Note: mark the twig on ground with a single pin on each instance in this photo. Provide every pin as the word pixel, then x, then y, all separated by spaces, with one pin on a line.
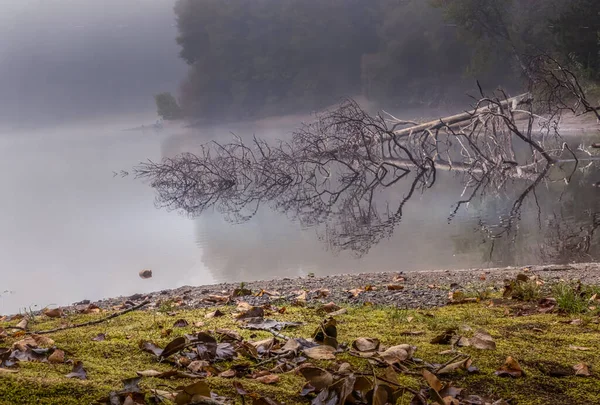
pixel 94 322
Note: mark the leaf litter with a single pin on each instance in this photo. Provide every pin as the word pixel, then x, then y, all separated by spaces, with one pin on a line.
pixel 226 354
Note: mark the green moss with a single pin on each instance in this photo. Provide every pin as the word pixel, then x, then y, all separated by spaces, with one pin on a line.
pixel 533 340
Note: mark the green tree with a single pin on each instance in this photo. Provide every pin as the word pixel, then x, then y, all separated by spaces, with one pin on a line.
pixel 167 106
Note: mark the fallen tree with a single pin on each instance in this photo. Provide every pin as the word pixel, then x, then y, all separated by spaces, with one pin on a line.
pixel 331 170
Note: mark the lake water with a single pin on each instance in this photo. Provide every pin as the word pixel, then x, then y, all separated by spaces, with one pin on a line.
pixel 70 230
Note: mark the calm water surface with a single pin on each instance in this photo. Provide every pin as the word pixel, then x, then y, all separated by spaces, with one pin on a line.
pixel 70 230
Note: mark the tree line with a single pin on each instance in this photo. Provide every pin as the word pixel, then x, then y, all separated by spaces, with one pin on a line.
pixel 250 59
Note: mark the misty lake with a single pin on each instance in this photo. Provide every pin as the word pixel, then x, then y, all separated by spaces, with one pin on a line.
pixel 72 230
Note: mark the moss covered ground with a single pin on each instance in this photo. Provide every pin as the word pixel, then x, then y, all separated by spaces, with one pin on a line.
pixel 538 341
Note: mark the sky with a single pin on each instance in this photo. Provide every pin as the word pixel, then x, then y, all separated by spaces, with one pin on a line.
pixel 71 60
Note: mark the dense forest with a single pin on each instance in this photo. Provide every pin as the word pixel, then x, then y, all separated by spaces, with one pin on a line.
pixel 268 57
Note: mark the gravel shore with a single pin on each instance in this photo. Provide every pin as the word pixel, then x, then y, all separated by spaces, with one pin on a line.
pixel 406 290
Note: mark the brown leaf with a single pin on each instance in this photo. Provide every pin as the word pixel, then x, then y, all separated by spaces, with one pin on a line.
pixel 180 323
pixel 580 348
pixel 483 341
pixel 78 371
pixel 149 373
pixel 227 374
pixel 173 347
pixel 145 274
pixel 58 356
pixel 355 291
pixel 452 367
pixel 99 338
pixel 150 348
pixel 547 305
pixel 186 395
pixel 199 324
pixel 398 279
pixel 444 338
pixel 322 292
pixel 253 312
pixel 511 368
pixel 365 344
pixel 432 380
pixel 317 377
pixel 218 298
pixel 91 309
pixel 582 369
pixel 397 354
pixel 214 314
pixel 53 313
pixel 268 379
pixel 338 312
pixel 395 287
pixel 166 332
pixel 197 366
pixel 329 308
pixel 322 352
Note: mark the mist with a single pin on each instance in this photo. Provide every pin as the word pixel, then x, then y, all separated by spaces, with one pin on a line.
pixel 66 60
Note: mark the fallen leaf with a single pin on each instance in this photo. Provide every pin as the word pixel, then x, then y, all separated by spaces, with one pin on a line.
pixel 317 377
pixel 409 319
pixel 329 308
pixel 188 393
pixel 227 374
pixel 78 371
pixel 322 292
pixel 452 367
pixel 53 313
pixel 270 324
pixel 268 379
pixel 253 312
pixel 149 373
pixel 582 369
pixel 584 349
pixel 365 344
pixel 445 337
pixel 483 341
pixel 510 368
pixel 547 305
pixel 321 352
pixel 99 338
pixel 145 274
pixel 432 380
pixel 58 356
pixel 199 324
pixel 214 314
pixel 91 309
pixel 150 348
pixel 173 347
pixel 482 277
pixel 397 354
pixel 180 323
pixel 355 292
pixel 166 332
pixel 197 366
pixel 412 333
pixel 339 312
pixel 395 287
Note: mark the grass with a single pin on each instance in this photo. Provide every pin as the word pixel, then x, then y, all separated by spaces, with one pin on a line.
pixel 535 341
pixel 575 298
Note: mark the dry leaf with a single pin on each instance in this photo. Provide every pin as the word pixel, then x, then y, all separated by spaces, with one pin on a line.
pixel 268 379
pixel 329 308
pixel 214 314
pixel 323 352
pixel 452 367
pixel 409 319
pixel 365 344
pixel 227 374
pixel 198 365
pixel 432 380
pixel 149 373
pixel 355 291
pixel 510 368
pixel 483 341
pixel 584 349
pixel 317 377
pixel 582 369
pixel 53 313
pixel 58 356
pixel 395 287
pixel 397 354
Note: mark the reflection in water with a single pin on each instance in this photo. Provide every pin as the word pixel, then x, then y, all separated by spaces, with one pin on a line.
pixel 360 190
